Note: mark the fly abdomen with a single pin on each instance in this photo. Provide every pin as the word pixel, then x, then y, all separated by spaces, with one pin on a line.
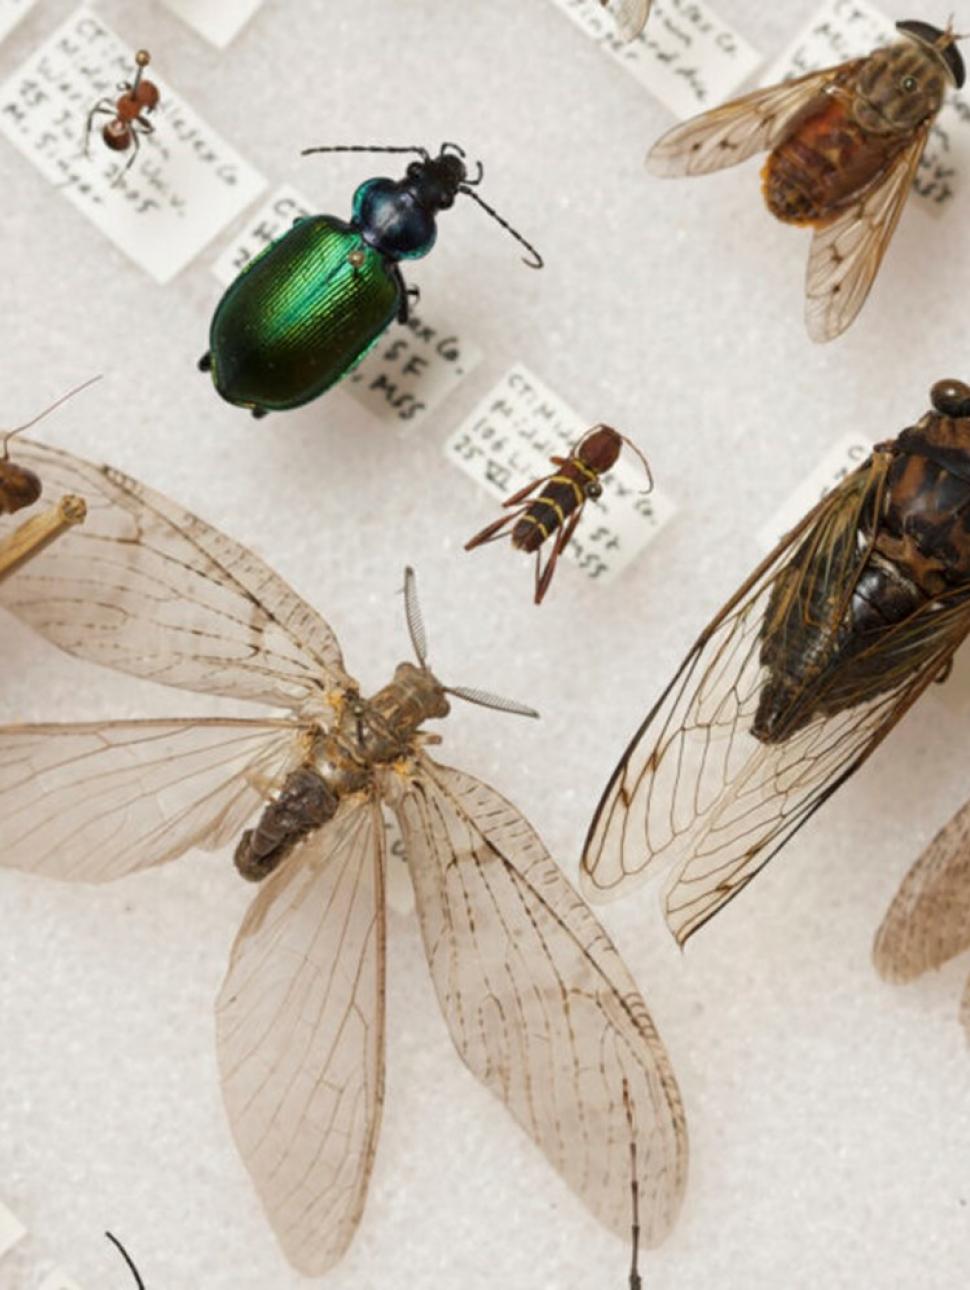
pixel 549 512
pixel 305 803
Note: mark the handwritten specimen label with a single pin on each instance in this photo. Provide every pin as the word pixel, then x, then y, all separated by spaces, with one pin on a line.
pixel 11 1230
pixel 844 29
pixel 507 441
pixel 841 459
pixel 184 185
pixel 411 369
pixel 687 56
pixel 11 12
pixel 219 21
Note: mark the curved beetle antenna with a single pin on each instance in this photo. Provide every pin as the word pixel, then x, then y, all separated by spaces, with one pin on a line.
pixel 40 415
pixel 364 147
pixel 124 1254
pixel 412 611
pixel 537 261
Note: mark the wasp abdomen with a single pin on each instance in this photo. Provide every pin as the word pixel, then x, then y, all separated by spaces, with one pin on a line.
pixel 559 499
pixel 305 803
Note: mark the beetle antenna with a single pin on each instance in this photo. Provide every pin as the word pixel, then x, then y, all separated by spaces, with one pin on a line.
pixel 363 147
pixel 415 619
pixel 127 1258
pixel 537 261
pixel 40 415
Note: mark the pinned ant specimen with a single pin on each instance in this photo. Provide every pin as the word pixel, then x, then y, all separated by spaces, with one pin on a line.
pixel 127 114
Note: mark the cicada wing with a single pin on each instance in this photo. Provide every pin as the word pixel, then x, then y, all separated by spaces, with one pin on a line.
pixel 300 1028
pixel 846 254
pixel 696 790
pixel 630 16
pixel 539 1004
pixel 738 129
pixel 95 801
pixel 928 922
pixel 147 588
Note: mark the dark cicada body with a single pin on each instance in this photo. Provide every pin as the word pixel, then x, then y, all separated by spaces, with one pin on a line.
pixel 801 675
pixel 311 306
pixel 560 504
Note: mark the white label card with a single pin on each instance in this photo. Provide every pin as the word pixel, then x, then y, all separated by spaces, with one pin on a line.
pixel 506 442
pixel 841 459
pixel 58 1280
pixel 185 183
pixel 411 369
pixel 11 12
pixel 844 29
pixel 687 56
pixel 11 1230
pixel 219 21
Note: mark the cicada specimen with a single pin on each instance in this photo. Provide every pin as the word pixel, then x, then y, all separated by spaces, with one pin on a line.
pixel 844 145
pixel 799 677
pixel 539 1004
pixel 561 501
pixel 630 16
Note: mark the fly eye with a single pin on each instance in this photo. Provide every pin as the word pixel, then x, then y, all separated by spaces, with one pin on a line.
pixel 594 488
pixel 951 398
pixel 910 84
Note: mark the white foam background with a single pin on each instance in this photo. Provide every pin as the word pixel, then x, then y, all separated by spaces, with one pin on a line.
pixel 829 1113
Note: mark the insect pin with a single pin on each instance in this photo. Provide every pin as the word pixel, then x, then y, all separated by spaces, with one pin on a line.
pixel 310 306
pixel 560 505
pixel 128 114
pixel 19 485
pixel 844 145
pixel 801 675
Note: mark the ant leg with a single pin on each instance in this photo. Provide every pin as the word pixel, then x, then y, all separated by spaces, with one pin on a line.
pixel 102 105
pixel 130 162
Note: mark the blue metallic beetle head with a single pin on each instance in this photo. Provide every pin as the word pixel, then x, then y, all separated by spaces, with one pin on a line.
pixel 397 217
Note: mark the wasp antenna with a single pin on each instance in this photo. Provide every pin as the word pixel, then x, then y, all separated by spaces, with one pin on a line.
pixel 40 415
pixel 364 147
pixel 124 1254
pixel 486 700
pixel 537 261
pixel 415 619
pixel 643 457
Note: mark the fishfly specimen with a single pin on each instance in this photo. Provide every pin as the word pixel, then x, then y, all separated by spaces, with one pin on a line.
pixel 844 146
pixel 630 16
pixel 561 502
pixel 799 677
pixel 538 1002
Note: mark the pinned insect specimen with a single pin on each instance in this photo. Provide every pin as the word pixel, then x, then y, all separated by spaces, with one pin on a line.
pixel 845 144
pixel 560 505
pixel 799 677
pixel 534 993
pixel 310 306
pixel 630 16
pixel 128 113
pixel 19 486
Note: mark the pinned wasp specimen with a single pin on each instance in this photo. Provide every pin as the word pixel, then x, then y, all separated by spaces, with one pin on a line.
pixel 128 113
pixel 560 505
pixel 534 993
pixel 630 16
pixel 844 146
pixel 799 677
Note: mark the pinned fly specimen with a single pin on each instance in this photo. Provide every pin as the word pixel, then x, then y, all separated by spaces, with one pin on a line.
pixel 538 1002
pixel 630 16
pixel 845 143
pixel 798 678
pixel 560 504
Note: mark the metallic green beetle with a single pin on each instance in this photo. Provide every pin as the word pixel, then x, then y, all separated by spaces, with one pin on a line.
pixel 308 308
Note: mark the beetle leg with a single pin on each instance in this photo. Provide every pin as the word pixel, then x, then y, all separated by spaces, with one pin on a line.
pixel 562 541
pixel 944 672
pixel 205 362
pixel 258 412
pixel 404 310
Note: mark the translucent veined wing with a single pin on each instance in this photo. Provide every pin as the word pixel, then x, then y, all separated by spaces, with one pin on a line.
pixel 300 1023
pixel 928 922
pixel 695 789
pixel 738 129
pixel 539 1004
pixel 845 255
pixel 630 16
pixel 96 801
pixel 145 587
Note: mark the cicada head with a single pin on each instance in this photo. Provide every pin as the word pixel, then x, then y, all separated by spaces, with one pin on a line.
pixel 902 86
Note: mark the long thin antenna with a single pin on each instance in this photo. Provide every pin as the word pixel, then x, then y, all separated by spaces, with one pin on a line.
pixel 537 262
pixel 40 415
pixel 636 1282
pixel 124 1254
pixel 412 611
pixel 364 147
pixel 642 455
pixel 486 700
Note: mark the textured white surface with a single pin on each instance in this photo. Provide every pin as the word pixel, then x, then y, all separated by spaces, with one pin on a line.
pixel 829 1114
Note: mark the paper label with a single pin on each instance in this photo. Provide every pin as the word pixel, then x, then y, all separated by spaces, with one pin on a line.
pixel 411 369
pixel 844 29
pixel 686 56
pixel 11 1230
pixel 185 183
pixel 219 21
pixel 58 1280
pixel 506 443
pixel 841 459
pixel 11 12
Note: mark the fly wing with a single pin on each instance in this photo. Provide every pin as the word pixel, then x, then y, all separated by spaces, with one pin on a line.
pixel 928 922
pixel 145 587
pixel 630 16
pixel 695 789
pixel 737 130
pixel 846 254
pixel 539 1004
pixel 300 1026
pixel 96 801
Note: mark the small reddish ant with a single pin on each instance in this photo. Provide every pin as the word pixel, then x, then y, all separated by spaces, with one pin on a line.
pixel 127 121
